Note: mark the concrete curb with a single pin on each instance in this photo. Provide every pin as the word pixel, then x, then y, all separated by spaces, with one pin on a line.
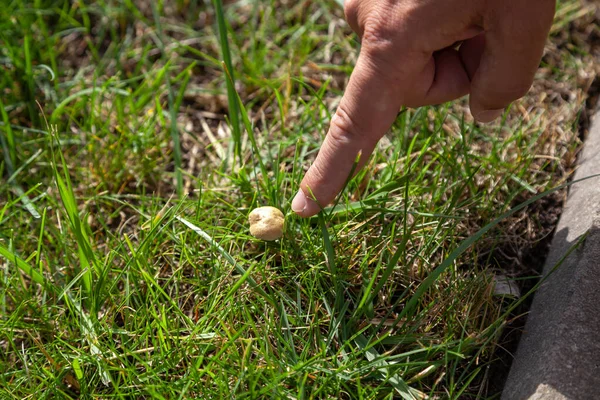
pixel 559 352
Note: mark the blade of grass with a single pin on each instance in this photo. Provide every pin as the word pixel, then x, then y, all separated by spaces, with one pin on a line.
pixel 171 99
pixel 86 256
pixel 27 269
pixel 8 141
pixel 82 93
pixel 9 150
pixel 24 198
pixel 88 262
pixel 250 133
pixel 234 111
pixel 90 335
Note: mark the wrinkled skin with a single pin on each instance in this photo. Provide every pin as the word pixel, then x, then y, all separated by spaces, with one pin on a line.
pixel 409 58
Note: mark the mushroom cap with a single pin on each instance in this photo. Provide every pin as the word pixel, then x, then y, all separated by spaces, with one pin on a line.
pixel 266 223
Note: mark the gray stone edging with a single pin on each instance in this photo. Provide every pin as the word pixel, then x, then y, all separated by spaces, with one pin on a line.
pixel 559 352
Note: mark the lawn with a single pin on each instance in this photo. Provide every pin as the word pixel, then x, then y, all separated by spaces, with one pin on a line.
pixel 137 136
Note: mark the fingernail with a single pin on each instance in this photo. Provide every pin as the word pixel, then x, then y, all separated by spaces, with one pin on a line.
pixel 488 115
pixel 299 202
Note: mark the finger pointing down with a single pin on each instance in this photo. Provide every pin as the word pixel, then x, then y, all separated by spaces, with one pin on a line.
pixel 367 110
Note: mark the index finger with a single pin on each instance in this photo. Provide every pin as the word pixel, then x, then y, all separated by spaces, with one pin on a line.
pixel 367 109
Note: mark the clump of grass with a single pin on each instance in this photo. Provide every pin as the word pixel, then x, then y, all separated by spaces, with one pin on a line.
pixel 138 277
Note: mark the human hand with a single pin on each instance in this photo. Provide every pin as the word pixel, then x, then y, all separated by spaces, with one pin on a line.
pixel 409 58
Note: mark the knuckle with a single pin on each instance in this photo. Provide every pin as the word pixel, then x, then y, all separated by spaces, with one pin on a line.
pixel 343 130
pixel 378 40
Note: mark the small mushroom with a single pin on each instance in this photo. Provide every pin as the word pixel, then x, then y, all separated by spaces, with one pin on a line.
pixel 266 223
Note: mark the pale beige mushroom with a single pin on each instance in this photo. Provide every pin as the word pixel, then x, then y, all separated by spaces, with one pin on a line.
pixel 266 223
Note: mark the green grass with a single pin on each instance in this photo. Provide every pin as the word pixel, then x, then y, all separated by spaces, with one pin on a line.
pixel 126 265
